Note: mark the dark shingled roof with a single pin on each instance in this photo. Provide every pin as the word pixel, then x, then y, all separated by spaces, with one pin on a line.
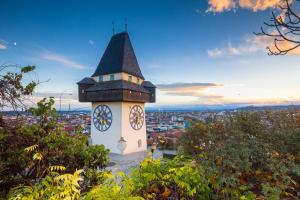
pixel 116 85
pixel 119 57
pixel 148 84
pixel 87 81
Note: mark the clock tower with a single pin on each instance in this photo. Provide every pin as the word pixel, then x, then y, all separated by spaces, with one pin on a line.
pixel 118 92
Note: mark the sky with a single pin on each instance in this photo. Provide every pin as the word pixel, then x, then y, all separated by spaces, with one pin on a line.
pixel 197 52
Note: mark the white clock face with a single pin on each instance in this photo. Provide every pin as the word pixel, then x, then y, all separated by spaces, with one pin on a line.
pixel 136 117
pixel 102 117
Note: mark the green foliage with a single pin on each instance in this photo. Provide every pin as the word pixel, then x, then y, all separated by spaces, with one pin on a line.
pixel 248 152
pixel 154 179
pixel 52 187
pixel 118 187
pixel 45 113
pixel 179 178
pixel 30 151
pixel 96 156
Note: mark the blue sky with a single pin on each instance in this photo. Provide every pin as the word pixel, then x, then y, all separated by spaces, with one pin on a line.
pixel 175 42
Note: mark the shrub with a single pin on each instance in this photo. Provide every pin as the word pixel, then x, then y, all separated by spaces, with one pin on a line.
pixel 173 179
pixel 248 152
pixel 52 147
pixel 53 186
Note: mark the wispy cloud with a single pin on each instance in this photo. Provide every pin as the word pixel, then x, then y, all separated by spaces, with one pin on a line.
pixel 186 86
pixel 3 44
pixel 229 50
pixel 198 90
pixel 254 5
pixel 2 47
pixel 266 41
pixel 251 44
pixel 91 42
pixel 67 62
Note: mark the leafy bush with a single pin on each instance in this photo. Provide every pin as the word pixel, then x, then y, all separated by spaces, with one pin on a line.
pixel 117 187
pixel 154 179
pixel 53 186
pixel 28 150
pixel 248 152
pixel 96 157
pixel 175 179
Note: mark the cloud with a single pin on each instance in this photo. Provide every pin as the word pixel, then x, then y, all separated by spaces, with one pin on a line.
pixel 186 86
pixel 91 42
pixel 196 90
pixel 266 41
pixel 62 60
pixel 197 94
pixel 251 44
pixel 215 52
pixel 3 47
pixel 3 44
pixel 260 43
pixel 220 5
pixel 254 5
pixel 257 5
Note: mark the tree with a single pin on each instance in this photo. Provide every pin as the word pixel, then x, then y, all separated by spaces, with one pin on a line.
pixel 12 88
pixel 283 28
pixel 28 152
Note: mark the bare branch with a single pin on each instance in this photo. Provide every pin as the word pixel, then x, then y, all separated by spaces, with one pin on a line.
pixel 285 29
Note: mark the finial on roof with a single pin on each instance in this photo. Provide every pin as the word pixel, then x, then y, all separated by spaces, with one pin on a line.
pixel 126 25
pixel 113 28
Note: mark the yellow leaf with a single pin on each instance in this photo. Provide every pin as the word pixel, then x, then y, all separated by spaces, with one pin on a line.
pixel 31 148
pixel 37 156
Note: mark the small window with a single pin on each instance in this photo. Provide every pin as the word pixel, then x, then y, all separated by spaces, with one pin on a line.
pixel 138 81
pixel 100 78
pixel 129 78
pixel 82 91
pixel 112 77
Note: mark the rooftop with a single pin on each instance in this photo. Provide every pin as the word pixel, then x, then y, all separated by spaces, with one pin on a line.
pixel 119 57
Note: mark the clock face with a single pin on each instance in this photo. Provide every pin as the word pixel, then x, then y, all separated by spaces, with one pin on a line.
pixel 136 117
pixel 102 117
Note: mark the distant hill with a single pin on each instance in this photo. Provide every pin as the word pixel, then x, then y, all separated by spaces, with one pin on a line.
pixel 191 108
pixel 218 108
pixel 262 108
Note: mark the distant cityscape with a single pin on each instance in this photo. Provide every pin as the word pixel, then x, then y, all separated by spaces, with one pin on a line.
pixel 167 123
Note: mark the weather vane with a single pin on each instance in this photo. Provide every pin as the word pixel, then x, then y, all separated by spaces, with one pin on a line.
pixel 113 28
pixel 126 25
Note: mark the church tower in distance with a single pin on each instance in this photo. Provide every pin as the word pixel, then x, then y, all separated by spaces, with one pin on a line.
pixel 118 92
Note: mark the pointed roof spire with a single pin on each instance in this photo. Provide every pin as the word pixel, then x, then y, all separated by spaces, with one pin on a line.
pixel 113 28
pixel 119 57
pixel 126 25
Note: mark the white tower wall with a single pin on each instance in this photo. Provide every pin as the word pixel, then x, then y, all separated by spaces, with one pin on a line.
pixel 120 127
